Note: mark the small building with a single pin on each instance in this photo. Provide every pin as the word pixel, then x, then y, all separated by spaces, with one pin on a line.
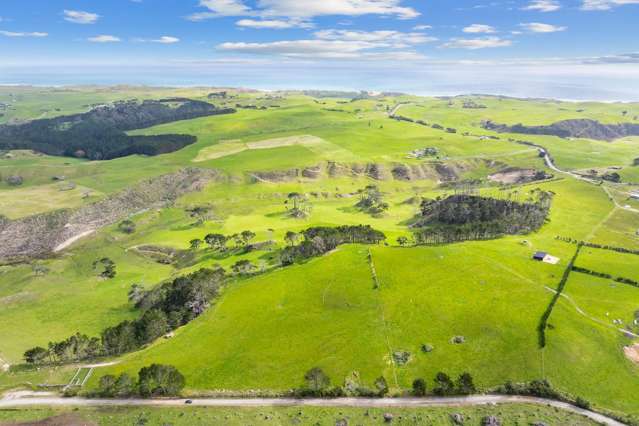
pixel 542 256
pixel 634 195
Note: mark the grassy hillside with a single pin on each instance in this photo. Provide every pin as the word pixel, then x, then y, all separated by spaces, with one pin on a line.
pixel 266 330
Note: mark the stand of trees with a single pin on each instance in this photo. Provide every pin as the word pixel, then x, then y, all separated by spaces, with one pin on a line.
pixel 165 308
pixel 154 380
pixel 463 217
pixel 319 240
pixel 371 201
pixel 100 133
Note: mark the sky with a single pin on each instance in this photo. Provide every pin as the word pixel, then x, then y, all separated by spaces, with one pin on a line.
pixel 568 49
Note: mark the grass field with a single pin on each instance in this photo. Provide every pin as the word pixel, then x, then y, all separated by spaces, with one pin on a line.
pixel 516 414
pixel 267 330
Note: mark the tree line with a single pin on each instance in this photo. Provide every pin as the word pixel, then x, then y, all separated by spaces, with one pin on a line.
pixel 320 239
pixel 318 384
pixel 621 280
pixel 154 380
pixel 598 246
pixel 164 308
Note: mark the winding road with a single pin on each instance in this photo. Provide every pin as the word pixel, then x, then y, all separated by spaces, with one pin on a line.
pixel 29 401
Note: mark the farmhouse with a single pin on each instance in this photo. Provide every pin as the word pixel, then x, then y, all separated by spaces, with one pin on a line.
pixel 634 195
pixel 545 257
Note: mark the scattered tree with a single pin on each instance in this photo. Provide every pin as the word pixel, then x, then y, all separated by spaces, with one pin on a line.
pixel 419 387
pixel 292 237
pixel 381 385
pixel 106 267
pixel 216 241
pixel 195 243
pixel 243 267
pixel 443 385
pixel 316 380
pixel 465 384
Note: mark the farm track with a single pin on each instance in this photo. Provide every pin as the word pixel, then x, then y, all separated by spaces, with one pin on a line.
pixel 476 400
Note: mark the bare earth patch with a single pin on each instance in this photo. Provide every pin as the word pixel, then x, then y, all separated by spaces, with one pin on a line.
pixel 513 176
pixel 632 353
pixel 230 147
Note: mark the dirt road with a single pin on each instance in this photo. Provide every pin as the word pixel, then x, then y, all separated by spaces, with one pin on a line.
pixel 12 402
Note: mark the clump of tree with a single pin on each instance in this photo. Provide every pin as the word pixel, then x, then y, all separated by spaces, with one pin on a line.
pixel 371 201
pixel 301 206
pixel 612 177
pixel 154 380
pixel 319 240
pixel 243 267
pixel 105 267
pixel 127 226
pixel 465 217
pixel 164 308
pixel 635 162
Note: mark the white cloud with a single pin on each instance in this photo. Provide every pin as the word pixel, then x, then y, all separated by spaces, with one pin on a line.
pixel 22 34
pixel 274 24
pixel 479 28
pixel 538 27
pixel 543 5
pixel 422 27
pixel 304 10
pixel 104 39
pixel 605 4
pixel 384 38
pixel 302 48
pixel 477 43
pixel 166 40
pixel 80 17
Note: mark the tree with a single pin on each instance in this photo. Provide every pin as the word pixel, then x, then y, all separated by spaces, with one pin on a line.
pixel 106 386
pixel 402 241
pixel 120 338
pixel 316 380
pixel 136 293
pixel 216 241
pixel 301 206
pixel 39 269
pixel 291 237
pixel 419 387
pixel 127 226
pixel 124 386
pixel 381 385
pixel 443 385
pixel 465 385
pixel 160 380
pixel 152 325
pixel 195 243
pixel 243 266
pixel 246 237
pixel 37 355
pixel 106 267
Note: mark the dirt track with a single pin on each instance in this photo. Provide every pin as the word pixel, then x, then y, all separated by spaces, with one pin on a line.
pixel 9 402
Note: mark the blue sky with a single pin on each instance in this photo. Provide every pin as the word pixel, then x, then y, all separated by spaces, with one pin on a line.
pixel 502 45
